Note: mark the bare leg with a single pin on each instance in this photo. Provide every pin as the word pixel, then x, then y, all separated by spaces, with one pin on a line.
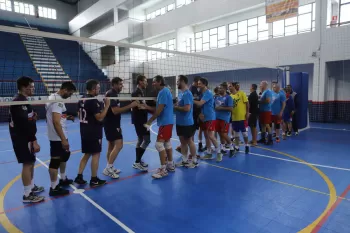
pixel 94 164
pixel 83 163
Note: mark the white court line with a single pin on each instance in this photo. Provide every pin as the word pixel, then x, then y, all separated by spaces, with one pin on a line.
pixel 331 129
pixel 277 158
pixel 105 212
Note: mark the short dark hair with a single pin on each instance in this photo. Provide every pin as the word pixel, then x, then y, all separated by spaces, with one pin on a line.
pixel 196 78
pixel 234 83
pixel 204 81
pixel 69 86
pixel 140 78
pixel 216 90
pixel 116 80
pixel 91 84
pixel 23 81
pixel 160 79
pixel 224 85
pixel 183 78
pixel 255 87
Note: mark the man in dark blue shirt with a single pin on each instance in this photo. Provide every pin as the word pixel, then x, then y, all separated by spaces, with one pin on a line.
pixel 91 115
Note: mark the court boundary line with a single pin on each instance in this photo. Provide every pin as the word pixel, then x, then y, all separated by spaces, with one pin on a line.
pixel 344 130
pixel 331 188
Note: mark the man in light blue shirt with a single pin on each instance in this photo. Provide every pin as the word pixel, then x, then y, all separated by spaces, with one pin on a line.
pixel 277 108
pixel 265 113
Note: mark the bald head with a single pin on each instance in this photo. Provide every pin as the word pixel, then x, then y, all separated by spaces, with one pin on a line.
pixel 264 85
pixel 276 87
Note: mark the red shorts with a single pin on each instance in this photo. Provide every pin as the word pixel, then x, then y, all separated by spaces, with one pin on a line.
pixel 208 125
pixel 265 118
pixel 245 123
pixel 165 132
pixel 276 119
pixel 222 126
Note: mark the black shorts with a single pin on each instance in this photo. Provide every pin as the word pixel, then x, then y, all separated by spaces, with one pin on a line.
pixel 91 146
pixel 141 130
pixel 187 131
pixel 56 149
pixel 24 150
pixel 252 121
pixel 113 133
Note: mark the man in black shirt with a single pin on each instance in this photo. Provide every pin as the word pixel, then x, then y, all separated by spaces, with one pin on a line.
pixel 91 115
pixel 22 127
pixel 139 117
pixel 253 112
pixel 112 127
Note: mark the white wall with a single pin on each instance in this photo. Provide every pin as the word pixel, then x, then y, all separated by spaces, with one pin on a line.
pixel 82 5
pixel 65 13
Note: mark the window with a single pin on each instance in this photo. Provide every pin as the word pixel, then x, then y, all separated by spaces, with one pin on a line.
pixel 171 7
pixel 233 34
pixel 183 2
pixel 155 55
pixel 211 39
pixel 24 8
pixel 5 5
pixel 160 11
pixel 263 28
pixel 344 12
pixel 304 22
pixel 47 12
pixel 188 45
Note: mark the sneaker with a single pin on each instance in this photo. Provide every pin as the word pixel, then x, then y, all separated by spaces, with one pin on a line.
pixel 284 137
pixel 65 182
pixel 289 134
pixel 246 149
pixel 207 156
pixel 182 164
pixel 144 164
pixel 232 153
pixel 109 171
pixel 160 173
pixel 200 147
pixel 219 157
pixel 178 149
pixel 270 142
pixel 97 182
pixel 139 167
pixel 117 171
pixel 227 146
pixel 262 140
pixel 37 189
pixel 170 167
pixel 198 157
pixel 58 191
pixel 278 139
pixel 223 151
pixel 274 135
pixel 79 180
pixel 296 133
pixel 32 198
pixel 195 164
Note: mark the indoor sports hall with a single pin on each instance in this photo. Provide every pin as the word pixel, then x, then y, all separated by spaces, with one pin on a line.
pixel 299 183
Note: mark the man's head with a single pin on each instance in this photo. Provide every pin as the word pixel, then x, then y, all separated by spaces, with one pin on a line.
pixel 276 87
pixel 222 89
pixel 158 82
pixel 253 88
pixel 25 86
pixel 182 82
pixel 67 90
pixel 224 85
pixel 203 84
pixel 236 85
pixel 264 85
pixel 93 87
pixel 117 84
pixel 195 81
pixel 141 81
pixel 289 89
pixel 232 88
pixel 216 90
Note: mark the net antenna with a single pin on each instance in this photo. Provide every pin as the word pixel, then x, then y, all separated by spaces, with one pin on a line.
pixel 56 58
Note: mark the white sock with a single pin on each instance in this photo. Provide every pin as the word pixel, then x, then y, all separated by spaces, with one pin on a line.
pixel 221 146
pixel 63 176
pixel 231 146
pixel 170 163
pixel 27 190
pixel 53 184
pixel 163 167
pixel 217 150
pixel 109 165
pixel 184 158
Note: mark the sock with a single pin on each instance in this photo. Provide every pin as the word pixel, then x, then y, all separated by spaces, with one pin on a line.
pixel 109 165
pixel 32 183
pixel 27 190
pixel 163 167
pixel 221 146
pixel 53 185
pixel 231 146
pixel 217 150
pixel 184 158
pixel 170 163
pixel 236 147
pixel 63 176
pixel 199 141
pixel 247 144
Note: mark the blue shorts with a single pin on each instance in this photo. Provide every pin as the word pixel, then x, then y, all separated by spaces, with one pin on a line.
pixel 239 126
pixel 287 117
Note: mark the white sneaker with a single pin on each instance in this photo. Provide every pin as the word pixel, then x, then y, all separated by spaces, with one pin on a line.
pixel 110 171
pixel 139 167
pixel 170 167
pixel 143 164
pixel 160 173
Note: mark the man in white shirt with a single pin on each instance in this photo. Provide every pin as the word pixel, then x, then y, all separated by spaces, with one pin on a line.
pixel 56 116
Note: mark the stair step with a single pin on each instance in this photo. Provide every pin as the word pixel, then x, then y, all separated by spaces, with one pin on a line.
pixel 56 80
pixel 52 73
pixel 38 50
pixel 51 77
pixel 44 59
pixel 34 56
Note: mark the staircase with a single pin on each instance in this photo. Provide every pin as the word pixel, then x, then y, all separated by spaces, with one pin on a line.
pixel 44 61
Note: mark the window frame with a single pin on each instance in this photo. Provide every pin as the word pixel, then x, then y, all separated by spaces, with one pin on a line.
pixel 26 6
pixel 340 6
pixel 212 33
pixel 49 11
pixel 7 5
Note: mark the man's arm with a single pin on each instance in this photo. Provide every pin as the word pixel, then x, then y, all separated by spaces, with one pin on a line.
pixel 19 114
pixel 101 115
pixel 158 111
pixel 199 103
pixel 185 108
pixel 118 110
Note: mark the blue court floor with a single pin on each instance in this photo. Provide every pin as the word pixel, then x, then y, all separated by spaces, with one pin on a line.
pixel 299 184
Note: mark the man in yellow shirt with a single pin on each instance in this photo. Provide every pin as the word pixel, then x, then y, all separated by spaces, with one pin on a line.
pixel 240 114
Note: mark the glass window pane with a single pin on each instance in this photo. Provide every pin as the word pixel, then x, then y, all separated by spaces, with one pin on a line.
pixel 232 26
pixel 153 14
pixel 263 35
pixel 305 9
pixel 49 14
pixel 31 10
pixel 221 43
pixel 345 13
pixel 242 28
pixel 291 21
pixel 199 45
pixel 162 11
pixel 253 21
pixel 304 23
pixel 252 33
pixel 213 41
pixel 242 39
pixel 205 46
pixel 205 35
pixel 21 8
pixel 163 45
pixel 222 33
pixel 148 17
pixel 262 23
pixel 157 12
pixel 313 26
pixel 314 11
pixel 278 28
pixel 171 7
pixel 213 31
pixel 45 12
pixel 233 37
pixel 198 34
pixel 291 30
pixel 54 16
